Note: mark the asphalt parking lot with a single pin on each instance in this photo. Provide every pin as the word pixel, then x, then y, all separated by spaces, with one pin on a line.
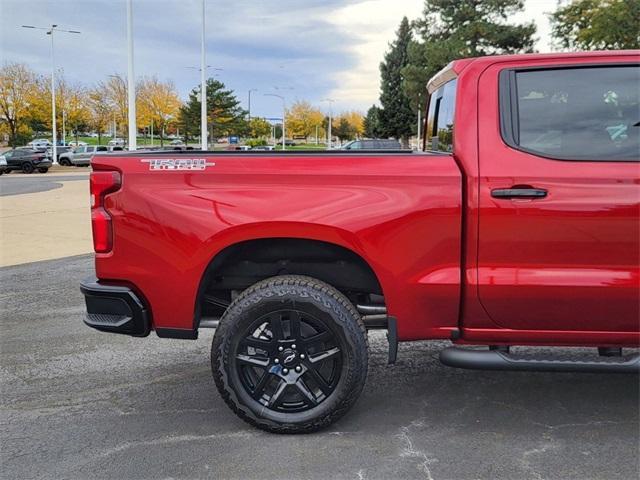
pixel 80 404
pixel 20 184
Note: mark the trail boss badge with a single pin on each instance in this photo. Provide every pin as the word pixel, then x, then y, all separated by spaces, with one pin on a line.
pixel 178 163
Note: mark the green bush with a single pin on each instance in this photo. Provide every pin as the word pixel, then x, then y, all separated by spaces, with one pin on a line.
pixel 256 142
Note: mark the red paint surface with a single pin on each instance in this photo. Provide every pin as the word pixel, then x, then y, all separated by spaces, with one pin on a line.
pixel 560 270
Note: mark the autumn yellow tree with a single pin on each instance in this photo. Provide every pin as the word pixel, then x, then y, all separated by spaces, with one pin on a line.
pixel 355 120
pixel 99 110
pixel 116 94
pixel 349 125
pixel 76 109
pixel 17 84
pixel 302 119
pixel 259 127
pixel 159 103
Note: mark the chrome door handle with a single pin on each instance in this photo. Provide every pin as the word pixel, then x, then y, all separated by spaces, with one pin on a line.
pixel 519 192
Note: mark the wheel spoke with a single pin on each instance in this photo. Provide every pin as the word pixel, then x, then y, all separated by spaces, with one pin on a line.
pixel 260 386
pixel 318 357
pixel 302 387
pixel 276 327
pixel 275 398
pixel 254 342
pixel 252 360
pixel 319 379
pixel 294 325
pixel 318 337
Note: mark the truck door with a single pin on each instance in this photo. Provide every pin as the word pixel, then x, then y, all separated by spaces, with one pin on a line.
pixel 559 195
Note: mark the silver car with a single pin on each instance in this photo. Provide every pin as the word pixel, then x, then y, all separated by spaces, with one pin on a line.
pixel 81 156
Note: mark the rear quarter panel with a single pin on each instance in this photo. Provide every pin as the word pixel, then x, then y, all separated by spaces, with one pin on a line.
pixel 401 213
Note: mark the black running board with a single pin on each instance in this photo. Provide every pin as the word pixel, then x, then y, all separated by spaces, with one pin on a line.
pixel 496 360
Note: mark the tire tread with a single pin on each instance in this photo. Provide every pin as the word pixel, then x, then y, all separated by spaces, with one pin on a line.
pixel 264 289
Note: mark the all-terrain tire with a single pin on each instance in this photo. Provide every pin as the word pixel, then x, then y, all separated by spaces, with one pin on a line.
pixel 27 167
pixel 308 296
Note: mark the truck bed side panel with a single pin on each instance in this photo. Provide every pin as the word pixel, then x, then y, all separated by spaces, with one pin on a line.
pixel 400 213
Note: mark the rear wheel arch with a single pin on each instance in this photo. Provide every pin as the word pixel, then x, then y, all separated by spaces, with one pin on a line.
pixel 244 263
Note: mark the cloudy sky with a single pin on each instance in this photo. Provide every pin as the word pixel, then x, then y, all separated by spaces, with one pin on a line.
pixel 310 49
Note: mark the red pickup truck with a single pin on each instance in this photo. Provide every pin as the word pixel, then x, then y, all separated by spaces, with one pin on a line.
pixel 518 225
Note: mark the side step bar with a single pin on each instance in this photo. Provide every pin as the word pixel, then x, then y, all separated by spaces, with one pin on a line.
pixel 499 360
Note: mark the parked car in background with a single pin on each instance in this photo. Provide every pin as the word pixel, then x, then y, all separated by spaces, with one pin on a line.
pixel 177 142
pixel 3 164
pixel 81 156
pixel 77 144
pixel 39 142
pixel 59 151
pixel 117 142
pixel 242 148
pixel 372 144
pixel 27 160
pixel 267 148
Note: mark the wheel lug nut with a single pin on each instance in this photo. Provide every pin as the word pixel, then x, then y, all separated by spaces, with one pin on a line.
pixel 285 370
pixel 302 355
pixel 277 360
pixel 293 346
pixel 280 349
pixel 298 369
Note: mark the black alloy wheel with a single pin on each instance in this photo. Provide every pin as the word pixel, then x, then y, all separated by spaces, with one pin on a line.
pixel 290 355
pixel 27 167
pixel 289 361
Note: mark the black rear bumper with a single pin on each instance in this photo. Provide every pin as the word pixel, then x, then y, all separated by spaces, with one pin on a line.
pixel 115 309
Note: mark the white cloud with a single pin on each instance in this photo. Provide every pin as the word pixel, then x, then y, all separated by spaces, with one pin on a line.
pixel 323 48
pixel 372 25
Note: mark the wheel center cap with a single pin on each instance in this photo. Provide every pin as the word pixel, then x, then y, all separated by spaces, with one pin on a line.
pixel 289 357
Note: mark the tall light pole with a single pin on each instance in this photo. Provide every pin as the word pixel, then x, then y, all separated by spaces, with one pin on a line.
pixel 284 111
pixel 251 90
pixel 131 80
pixel 50 30
pixel 329 139
pixel 204 143
pixel 203 88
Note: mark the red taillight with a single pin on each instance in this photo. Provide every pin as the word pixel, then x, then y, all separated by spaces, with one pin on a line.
pixel 102 183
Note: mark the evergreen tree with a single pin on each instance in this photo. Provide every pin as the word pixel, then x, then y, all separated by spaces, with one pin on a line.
pixel 225 116
pixel 597 24
pixel 452 29
pixel 372 123
pixel 397 117
pixel 344 130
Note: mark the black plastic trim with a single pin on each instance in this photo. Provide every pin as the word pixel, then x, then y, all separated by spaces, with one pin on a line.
pixel 495 359
pixel 392 337
pixel 115 309
pixel 264 153
pixel 518 193
pixel 180 333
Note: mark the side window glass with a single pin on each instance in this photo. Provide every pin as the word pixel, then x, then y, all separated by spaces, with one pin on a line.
pixel 587 113
pixel 440 118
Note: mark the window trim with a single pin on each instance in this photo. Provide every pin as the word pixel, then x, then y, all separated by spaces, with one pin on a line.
pixel 425 137
pixel 509 114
